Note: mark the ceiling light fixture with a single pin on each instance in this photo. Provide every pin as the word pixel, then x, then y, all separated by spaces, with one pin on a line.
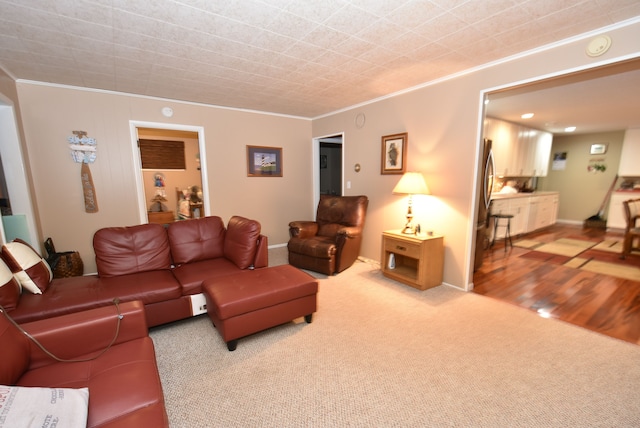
pixel 569 129
pixel 527 116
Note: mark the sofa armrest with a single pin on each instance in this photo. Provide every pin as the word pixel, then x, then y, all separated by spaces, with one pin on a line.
pixel 350 232
pixel 262 253
pixel 303 229
pixel 87 333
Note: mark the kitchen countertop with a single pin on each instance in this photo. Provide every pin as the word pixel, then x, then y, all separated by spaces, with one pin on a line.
pixel 522 195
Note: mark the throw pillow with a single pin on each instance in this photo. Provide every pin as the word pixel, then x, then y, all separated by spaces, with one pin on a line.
pixel 27 265
pixel 240 242
pixel 43 407
pixel 9 288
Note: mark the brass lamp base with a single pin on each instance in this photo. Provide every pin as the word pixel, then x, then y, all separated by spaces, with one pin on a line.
pixel 408 229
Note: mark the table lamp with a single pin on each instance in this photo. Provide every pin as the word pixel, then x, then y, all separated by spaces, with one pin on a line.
pixel 411 183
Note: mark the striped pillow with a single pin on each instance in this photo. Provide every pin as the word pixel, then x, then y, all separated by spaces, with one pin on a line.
pixel 9 288
pixel 27 265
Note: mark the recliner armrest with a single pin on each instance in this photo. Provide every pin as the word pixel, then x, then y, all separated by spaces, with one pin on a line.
pixel 350 232
pixel 303 229
pixel 85 333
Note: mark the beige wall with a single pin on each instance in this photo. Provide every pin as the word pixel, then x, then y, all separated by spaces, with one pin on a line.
pixel 581 191
pixel 442 121
pixel 50 114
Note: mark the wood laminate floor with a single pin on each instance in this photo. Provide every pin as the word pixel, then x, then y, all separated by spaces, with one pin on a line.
pixel 598 302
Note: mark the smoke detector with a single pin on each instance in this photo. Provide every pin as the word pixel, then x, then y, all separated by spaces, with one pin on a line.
pixel 598 46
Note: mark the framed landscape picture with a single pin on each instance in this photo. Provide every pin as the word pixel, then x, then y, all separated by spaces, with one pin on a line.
pixel 394 154
pixel 264 161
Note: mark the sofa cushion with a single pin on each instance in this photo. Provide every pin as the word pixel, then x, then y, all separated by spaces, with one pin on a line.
pixel 148 287
pixel 42 407
pixel 192 275
pixel 9 288
pixel 124 384
pixel 132 249
pixel 196 239
pixel 241 242
pixel 63 296
pixel 14 354
pixel 79 293
pixel 27 265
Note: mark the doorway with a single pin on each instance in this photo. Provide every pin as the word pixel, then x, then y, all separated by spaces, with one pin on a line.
pixel 554 101
pixel 167 195
pixel 328 166
pixel 18 217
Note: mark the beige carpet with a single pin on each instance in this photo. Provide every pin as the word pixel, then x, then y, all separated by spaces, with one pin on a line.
pixel 382 354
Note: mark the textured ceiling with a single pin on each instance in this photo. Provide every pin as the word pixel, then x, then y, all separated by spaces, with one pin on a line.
pixel 303 58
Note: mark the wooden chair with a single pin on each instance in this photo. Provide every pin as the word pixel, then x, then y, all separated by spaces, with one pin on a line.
pixel 632 231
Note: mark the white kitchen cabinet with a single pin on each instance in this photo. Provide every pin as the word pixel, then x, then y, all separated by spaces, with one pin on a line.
pixel 499 132
pixel 518 151
pixel 518 208
pixel 530 213
pixel 630 155
pixel 532 217
pixel 547 211
pixel 543 211
pixel 544 140
pixel 615 216
pixel 525 152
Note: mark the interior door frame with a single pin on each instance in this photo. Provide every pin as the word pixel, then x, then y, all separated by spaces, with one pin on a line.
pixel 315 168
pixel 137 163
pixel 15 171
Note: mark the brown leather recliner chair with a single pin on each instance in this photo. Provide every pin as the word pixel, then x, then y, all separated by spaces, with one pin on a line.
pixel 330 244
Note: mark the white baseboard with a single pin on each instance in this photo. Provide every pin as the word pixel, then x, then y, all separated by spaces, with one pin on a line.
pixel 573 222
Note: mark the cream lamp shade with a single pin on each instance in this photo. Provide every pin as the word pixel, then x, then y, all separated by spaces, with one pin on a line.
pixel 411 183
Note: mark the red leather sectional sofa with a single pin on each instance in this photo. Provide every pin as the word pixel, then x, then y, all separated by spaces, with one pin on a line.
pixel 124 388
pixel 162 267
pixel 157 274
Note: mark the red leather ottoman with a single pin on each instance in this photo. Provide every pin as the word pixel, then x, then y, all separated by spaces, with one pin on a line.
pixel 253 300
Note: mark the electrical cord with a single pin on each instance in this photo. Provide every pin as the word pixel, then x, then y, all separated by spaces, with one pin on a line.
pixel 62 360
